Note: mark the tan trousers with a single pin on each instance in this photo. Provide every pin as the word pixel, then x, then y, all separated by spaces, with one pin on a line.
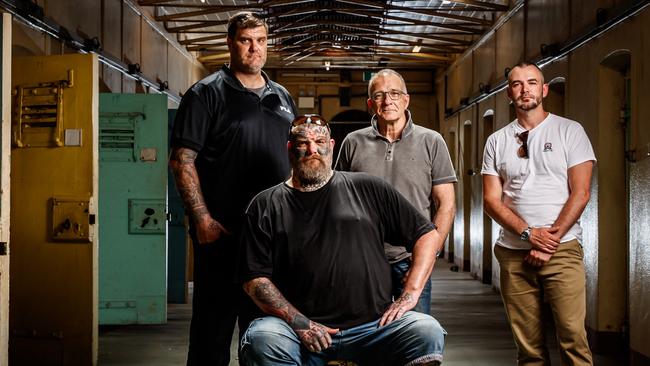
pixel 562 282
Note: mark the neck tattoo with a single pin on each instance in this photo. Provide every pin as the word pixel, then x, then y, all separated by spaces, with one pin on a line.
pixel 315 186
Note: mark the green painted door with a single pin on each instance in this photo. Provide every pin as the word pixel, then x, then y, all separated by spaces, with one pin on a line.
pixel 132 208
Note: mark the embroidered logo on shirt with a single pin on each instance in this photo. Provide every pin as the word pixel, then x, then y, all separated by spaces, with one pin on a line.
pixel 283 108
pixel 548 147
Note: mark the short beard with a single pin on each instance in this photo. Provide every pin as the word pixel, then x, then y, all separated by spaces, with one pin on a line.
pixel 311 176
pixel 528 106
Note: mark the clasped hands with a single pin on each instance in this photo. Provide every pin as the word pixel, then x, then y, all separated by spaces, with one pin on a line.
pixel 545 241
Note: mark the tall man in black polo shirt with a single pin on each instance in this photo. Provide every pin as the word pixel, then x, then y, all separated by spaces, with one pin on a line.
pixel 228 143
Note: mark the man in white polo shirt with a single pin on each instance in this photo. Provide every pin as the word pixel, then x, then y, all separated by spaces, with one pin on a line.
pixel 536 182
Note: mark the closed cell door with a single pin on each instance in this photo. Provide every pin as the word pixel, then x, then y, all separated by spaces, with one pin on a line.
pixel 177 248
pixel 53 307
pixel 132 209
pixel 5 132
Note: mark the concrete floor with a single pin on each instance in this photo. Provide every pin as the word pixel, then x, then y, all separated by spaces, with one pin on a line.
pixel 471 312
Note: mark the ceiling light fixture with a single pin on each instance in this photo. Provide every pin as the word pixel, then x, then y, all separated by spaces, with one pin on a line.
pixel 327 66
pixel 417 47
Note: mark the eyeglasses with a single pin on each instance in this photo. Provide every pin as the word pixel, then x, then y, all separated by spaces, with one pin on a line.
pixel 392 94
pixel 522 152
pixel 310 118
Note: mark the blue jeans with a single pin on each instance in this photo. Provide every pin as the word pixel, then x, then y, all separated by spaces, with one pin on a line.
pixel 413 339
pixel 398 271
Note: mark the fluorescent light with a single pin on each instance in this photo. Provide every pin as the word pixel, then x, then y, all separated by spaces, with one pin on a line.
pixel 444 2
pixel 417 48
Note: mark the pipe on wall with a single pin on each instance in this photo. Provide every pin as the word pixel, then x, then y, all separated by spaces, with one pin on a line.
pixel 557 53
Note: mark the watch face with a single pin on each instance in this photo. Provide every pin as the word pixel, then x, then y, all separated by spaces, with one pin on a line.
pixel 525 234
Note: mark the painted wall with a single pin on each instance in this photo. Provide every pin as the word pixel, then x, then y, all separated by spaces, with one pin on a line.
pixel 617 271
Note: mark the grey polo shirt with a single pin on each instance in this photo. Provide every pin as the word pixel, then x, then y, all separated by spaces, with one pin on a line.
pixel 412 164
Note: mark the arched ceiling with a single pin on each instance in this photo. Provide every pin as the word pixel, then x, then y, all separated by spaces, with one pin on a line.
pixel 344 34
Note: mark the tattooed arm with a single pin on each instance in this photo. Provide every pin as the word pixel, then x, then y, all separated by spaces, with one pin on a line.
pixel 423 259
pixel 316 337
pixel 181 162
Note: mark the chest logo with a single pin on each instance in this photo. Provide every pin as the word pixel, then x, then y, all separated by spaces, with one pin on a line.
pixel 548 147
pixel 283 108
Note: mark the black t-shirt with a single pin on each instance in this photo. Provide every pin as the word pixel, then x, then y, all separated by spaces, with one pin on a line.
pixel 241 140
pixel 324 250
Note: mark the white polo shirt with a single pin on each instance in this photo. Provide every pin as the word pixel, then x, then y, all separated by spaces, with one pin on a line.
pixel 537 188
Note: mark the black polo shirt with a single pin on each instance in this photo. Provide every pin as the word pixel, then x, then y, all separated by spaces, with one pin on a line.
pixel 241 140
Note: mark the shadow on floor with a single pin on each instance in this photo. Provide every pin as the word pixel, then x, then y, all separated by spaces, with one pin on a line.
pixel 470 311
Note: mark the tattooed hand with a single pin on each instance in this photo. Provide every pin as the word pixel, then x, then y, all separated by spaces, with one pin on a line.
pixel 181 161
pixel 395 311
pixel 209 230
pixel 315 336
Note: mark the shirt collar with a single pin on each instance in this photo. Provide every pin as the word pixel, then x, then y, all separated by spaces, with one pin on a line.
pixel 232 80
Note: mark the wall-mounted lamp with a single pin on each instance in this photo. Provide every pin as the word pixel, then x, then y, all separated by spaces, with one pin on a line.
pixel 327 66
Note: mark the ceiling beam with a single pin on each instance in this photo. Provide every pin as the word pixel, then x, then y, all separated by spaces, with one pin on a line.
pixel 201 39
pixel 430 12
pixel 419 35
pixel 154 2
pixel 440 47
pixel 214 56
pixel 197 24
pixel 172 4
pixel 207 46
pixel 212 9
pixel 483 4
pixel 451 26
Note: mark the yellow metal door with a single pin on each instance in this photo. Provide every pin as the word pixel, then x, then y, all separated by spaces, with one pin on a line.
pixel 53 316
pixel 5 132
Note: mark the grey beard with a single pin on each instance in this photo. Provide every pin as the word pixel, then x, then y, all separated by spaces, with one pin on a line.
pixel 312 178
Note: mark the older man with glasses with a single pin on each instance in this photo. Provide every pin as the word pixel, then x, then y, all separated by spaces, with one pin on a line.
pixel 313 260
pixel 411 158
pixel 536 182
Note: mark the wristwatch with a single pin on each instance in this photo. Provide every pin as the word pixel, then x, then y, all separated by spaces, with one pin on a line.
pixel 525 235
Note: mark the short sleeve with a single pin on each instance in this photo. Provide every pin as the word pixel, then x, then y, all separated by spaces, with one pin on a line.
pixel 192 122
pixel 442 170
pixel 489 157
pixel 343 160
pixel 256 257
pixel 579 147
pixel 403 222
